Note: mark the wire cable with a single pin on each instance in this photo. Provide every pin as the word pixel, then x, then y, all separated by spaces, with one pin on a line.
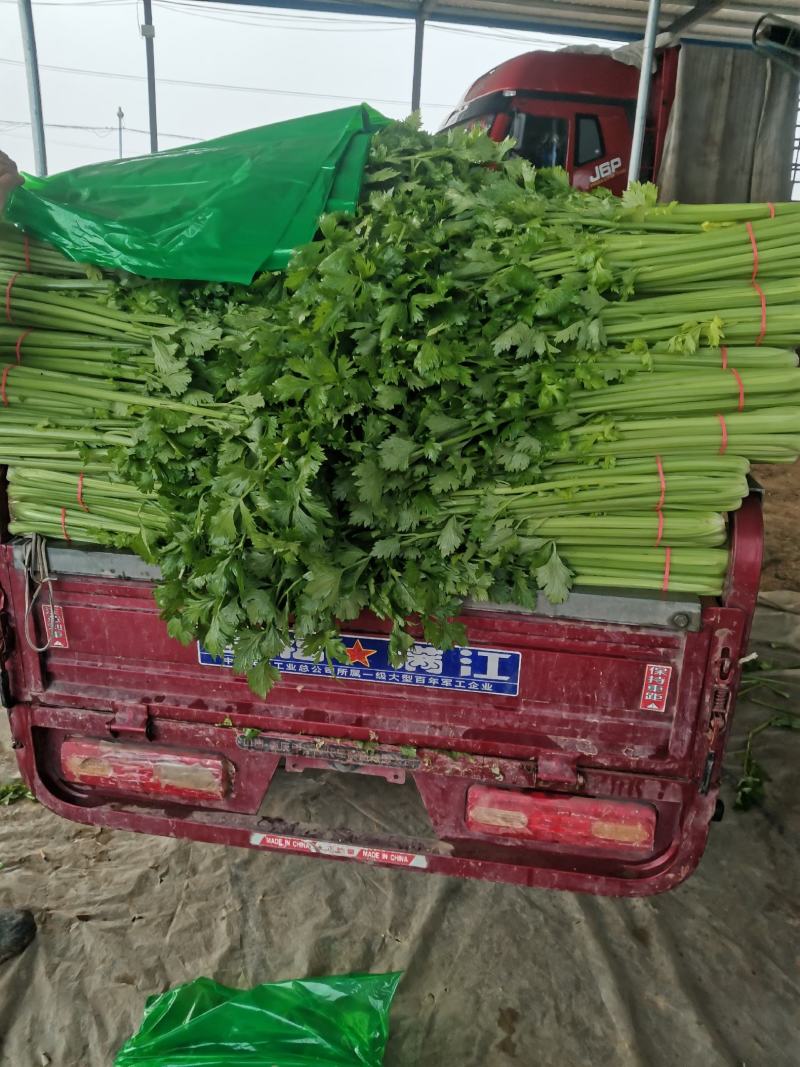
pixel 100 131
pixel 261 90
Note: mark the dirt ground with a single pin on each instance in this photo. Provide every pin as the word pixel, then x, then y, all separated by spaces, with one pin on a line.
pixel 782 525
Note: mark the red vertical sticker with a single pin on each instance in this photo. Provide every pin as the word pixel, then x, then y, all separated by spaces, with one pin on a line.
pixel 655 688
pixel 54 626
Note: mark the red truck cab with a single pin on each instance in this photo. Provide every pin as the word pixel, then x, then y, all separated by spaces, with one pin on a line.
pixel 573 110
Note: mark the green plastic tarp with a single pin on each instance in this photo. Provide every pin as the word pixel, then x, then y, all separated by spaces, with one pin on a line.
pixel 341 1021
pixel 220 210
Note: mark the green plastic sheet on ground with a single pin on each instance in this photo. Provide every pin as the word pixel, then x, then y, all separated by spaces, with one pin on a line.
pixel 342 1021
pixel 216 211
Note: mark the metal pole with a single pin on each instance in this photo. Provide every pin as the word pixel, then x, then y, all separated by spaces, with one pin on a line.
pixel 645 77
pixel 149 32
pixel 419 37
pixel 120 117
pixel 34 89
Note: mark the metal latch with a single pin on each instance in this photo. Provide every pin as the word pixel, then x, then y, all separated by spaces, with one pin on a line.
pixel 130 720
pixel 721 699
pixel 558 771
pixel 5 649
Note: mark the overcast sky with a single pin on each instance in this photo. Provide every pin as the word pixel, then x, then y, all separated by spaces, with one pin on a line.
pixel 222 68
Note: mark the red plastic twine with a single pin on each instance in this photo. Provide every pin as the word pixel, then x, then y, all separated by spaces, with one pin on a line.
pixel 724 442
pixel 667 559
pixel 740 383
pixel 3 382
pixel 11 281
pixel 663 482
pixel 724 354
pixel 771 210
pixel 80 492
pixel 18 346
pixel 754 283
pixel 26 251
pixel 64 524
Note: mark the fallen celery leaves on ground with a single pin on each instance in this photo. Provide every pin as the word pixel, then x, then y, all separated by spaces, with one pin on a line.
pixel 13 792
pixel 483 384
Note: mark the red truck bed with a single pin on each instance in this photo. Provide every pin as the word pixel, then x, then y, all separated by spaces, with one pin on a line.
pixel 576 747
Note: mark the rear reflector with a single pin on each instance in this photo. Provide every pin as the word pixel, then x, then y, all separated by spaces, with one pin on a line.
pixel 620 826
pixel 144 770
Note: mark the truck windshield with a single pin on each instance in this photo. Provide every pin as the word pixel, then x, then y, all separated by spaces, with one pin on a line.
pixel 541 139
pixel 477 122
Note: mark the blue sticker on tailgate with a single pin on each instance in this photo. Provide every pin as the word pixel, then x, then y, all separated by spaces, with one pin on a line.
pixel 476 670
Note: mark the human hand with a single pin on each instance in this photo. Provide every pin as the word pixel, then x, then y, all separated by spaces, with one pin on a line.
pixel 10 178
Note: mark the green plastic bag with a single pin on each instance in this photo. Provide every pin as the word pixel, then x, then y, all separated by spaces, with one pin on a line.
pixel 342 1021
pixel 216 211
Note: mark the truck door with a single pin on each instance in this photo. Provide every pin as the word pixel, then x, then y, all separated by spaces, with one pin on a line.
pixel 602 145
pixel 591 141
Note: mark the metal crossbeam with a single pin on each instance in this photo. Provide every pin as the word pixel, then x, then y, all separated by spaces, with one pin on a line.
pixel 701 10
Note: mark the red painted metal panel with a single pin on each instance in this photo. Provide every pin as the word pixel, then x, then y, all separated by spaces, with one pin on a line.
pixel 580 684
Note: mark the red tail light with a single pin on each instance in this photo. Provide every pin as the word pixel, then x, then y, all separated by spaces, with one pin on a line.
pixel 619 826
pixel 145 770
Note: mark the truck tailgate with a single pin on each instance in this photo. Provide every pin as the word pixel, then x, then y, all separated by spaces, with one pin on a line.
pixel 576 747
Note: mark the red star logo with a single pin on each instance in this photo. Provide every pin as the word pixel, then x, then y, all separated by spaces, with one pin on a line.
pixel 359 654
